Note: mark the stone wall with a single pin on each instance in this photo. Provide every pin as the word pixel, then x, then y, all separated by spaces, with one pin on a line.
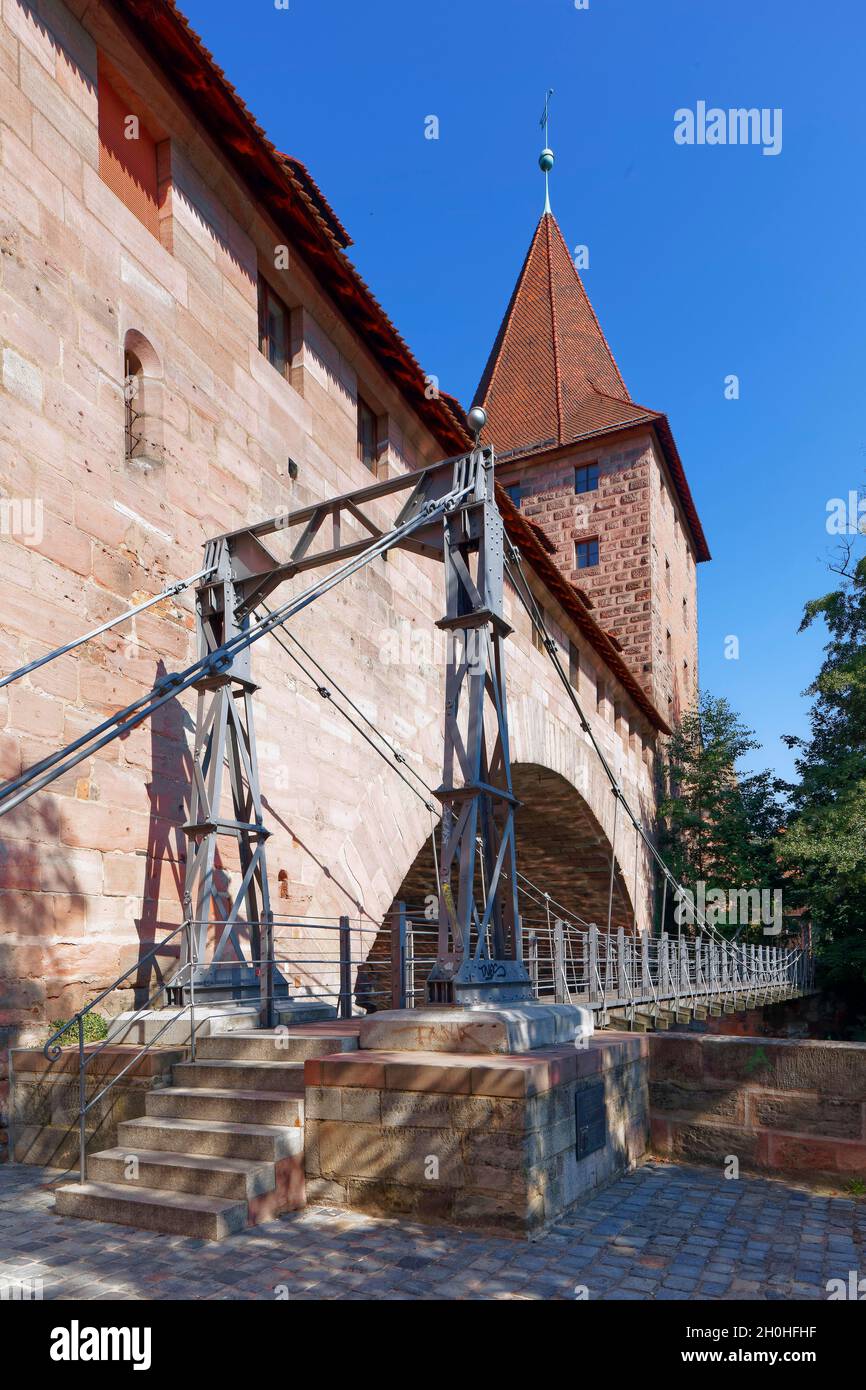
pixel 645 584
pixel 91 871
pixel 778 1105
pixel 44 1099
pixel 488 1141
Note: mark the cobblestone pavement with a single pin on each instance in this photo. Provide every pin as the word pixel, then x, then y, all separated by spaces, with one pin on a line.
pixel 663 1232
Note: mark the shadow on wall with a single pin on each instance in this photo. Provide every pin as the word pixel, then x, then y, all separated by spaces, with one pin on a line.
pixel 42 922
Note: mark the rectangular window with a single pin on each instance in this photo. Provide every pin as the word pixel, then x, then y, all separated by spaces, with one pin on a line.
pixel 368 451
pixel 668 574
pixel 273 328
pixel 516 491
pixel 668 642
pixel 685 613
pixel 586 554
pixel 127 153
pixel 586 478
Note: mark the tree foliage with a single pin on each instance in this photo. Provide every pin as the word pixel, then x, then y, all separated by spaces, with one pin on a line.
pixel 720 823
pixel 825 844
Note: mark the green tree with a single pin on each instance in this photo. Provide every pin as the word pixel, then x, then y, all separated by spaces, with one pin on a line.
pixel 720 824
pixel 825 845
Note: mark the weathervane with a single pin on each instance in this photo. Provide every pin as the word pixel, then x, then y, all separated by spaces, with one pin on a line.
pixel 545 161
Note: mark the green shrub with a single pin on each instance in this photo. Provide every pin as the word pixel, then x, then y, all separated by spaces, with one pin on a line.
pixel 95 1029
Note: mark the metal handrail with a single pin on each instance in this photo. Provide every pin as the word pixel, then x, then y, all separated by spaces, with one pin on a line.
pixel 53 1051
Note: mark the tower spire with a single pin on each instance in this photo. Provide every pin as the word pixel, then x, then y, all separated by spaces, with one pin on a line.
pixel 545 161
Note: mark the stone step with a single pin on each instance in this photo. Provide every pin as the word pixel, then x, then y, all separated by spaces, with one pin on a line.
pixel 214 1138
pixel 241 1179
pixel 277 1045
pixel 153 1209
pixel 287 1077
pixel 242 1107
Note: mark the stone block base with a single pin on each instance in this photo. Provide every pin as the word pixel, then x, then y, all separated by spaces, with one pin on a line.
pixel 485 1141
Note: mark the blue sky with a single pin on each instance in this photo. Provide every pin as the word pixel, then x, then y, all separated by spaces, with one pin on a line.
pixel 704 261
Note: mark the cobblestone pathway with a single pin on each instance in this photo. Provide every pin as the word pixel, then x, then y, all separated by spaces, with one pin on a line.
pixel 663 1232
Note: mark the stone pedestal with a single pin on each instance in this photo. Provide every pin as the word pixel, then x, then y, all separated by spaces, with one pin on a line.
pixel 478 1136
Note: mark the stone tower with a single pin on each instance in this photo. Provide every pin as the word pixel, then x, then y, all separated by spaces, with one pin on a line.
pixel 599 474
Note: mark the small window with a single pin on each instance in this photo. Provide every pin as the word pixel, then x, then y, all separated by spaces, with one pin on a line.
pixel 586 554
pixel 537 639
pixel 685 613
pixel 667 574
pixel 273 328
pixel 668 642
pixel 132 395
pixel 586 478
pixel 600 694
pixel 367 446
pixel 516 491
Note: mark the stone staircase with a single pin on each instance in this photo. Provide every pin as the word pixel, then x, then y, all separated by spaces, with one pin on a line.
pixel 220 1149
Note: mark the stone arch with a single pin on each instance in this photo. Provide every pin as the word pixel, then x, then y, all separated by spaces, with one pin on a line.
pixel 144 402
pixel 562 849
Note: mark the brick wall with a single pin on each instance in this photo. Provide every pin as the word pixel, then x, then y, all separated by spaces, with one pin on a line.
pixel 646 564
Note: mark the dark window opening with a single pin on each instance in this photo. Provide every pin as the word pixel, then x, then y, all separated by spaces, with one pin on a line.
pixel 273 328
pixel 367 429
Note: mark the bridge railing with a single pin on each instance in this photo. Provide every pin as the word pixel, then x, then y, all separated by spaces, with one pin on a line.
pixel 354 964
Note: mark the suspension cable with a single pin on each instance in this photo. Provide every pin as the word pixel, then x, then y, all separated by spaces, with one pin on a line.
pixel 326 694
pixel 527 599
pixel 174 684
pixel 104 627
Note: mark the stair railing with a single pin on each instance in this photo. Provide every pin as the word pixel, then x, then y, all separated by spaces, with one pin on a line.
pixel 53 1050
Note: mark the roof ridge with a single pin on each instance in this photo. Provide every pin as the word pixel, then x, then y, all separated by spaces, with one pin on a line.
pixel 547 218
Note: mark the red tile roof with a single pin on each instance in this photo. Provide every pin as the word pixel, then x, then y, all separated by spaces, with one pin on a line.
pixel 551 375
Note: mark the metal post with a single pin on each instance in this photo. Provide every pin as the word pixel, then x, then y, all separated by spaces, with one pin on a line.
pixel 345 1009
pixel 398 957
pixel 646 979
pixel 190 946
pixel 594 983
pixel 622 968
pixel 478 954
pixel 532 961
pixel 560 993
pixel 82 1105
pixel 664 967
pixel 409 965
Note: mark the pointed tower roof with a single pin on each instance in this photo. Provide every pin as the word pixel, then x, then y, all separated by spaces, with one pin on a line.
pixel 551 378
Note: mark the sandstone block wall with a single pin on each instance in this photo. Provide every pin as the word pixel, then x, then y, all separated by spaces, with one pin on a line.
pixel 91 871
pixel 779 1105
pixel 44 1099
pixel 475 1141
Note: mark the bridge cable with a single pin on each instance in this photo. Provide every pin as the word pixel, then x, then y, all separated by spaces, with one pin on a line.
pixel 527 599
pixel 35 778
pixel 169 592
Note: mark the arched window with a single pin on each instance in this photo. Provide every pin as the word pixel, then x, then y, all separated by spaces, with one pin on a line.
pixel 143 395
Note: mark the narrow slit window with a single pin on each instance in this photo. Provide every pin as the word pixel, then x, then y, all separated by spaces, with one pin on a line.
pixel 367 447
